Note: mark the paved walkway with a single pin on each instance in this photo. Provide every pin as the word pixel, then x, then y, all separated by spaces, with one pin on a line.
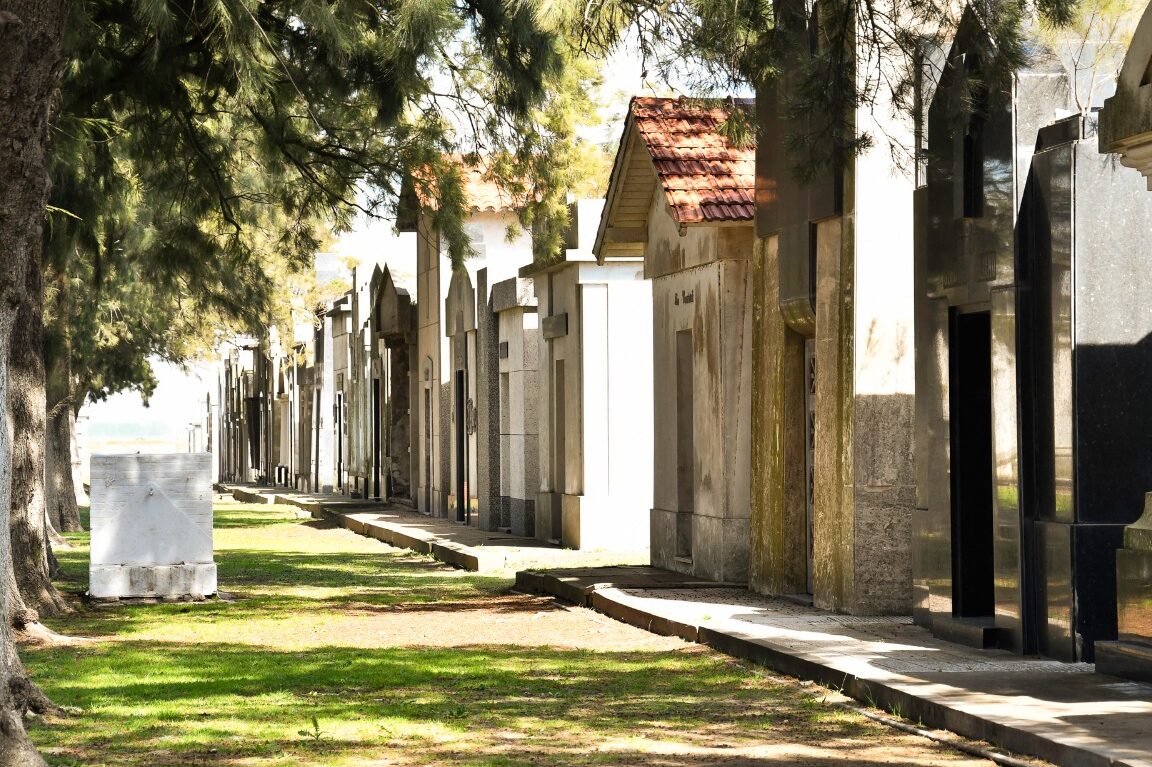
pixel 1064 713
pixel 447 540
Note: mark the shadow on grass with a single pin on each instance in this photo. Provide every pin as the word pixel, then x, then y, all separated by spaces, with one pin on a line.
pixel 391 567
pixel 275 583
pixel 252 702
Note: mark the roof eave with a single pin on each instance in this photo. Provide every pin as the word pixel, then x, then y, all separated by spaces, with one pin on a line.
pixel 618 170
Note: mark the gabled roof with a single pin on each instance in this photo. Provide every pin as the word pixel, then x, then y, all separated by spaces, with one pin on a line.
pixel 705 177
pixel 483 194
pixel 676 147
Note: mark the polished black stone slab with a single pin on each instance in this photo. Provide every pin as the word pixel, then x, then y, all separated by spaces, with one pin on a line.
pixel 1023 222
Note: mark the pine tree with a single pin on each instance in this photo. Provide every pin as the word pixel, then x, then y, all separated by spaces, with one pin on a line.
pixel 30 34
pixel 859 54
pixel 183 127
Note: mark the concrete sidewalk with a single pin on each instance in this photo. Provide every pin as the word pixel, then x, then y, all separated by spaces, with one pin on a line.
pixel 444 539
pixel 1064 713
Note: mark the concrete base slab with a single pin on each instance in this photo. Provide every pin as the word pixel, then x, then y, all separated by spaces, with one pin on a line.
pixel 1129 660
pixel 129 581
pixel 1062 712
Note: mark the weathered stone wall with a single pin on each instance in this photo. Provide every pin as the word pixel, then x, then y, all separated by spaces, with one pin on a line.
pixel 519 418
pixel 863 484
pixel 712 303
pixel 777 538
pixel 399 417
pixel 488 410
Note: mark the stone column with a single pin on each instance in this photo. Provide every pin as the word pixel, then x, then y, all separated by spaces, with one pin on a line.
pixel 487 410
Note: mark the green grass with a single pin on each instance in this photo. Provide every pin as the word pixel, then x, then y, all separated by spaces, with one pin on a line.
pixel 288 673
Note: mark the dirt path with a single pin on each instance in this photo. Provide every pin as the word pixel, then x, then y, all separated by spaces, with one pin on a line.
pixel 790 727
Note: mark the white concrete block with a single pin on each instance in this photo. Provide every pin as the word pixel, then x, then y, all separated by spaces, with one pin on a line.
pixel 152 525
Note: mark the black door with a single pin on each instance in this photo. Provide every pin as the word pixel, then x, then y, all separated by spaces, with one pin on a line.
pixel 376 438
pixel 970 396
pixel 463 508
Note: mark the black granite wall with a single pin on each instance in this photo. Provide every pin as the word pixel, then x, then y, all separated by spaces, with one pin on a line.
pixel 1045 245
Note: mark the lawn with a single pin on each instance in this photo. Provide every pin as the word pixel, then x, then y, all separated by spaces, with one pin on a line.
pixel 338 650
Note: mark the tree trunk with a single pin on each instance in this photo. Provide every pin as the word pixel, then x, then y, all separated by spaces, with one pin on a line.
pixel 63 511
pixel 27 408
pixel 59 483
pixel 15 691
pixel 30 34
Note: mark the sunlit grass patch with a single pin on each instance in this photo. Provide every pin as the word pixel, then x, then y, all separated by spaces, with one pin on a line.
pixel 303 667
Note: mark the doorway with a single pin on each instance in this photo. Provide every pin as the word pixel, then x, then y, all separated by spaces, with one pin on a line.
pixel 428 451
pixel 463 510
pixel 376 426
pixel 559 459
pixel 685 446
pixel 317 421
pixel 972 466
pixel 810 460
pixel 338 428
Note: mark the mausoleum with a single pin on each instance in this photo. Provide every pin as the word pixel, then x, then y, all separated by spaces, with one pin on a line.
pixel 1034 425
pixel 681 196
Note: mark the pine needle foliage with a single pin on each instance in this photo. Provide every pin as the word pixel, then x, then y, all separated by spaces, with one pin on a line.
pixel 205 147
pixel 825 59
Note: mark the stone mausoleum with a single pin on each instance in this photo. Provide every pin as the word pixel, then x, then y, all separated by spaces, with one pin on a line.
pixel 511 415
pixel 681 194
pixel 454 352
pixel 1126 131
pixel 833 372
pixel 594 393
pixel 1034 424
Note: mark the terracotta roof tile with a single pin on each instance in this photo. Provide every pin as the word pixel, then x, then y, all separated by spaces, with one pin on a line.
pixel 705 178
pixel 481 190
pixel 485 195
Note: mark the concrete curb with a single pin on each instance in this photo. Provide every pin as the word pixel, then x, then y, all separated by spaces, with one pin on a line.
pixel 456 554
pixel 896 694
pixel 536 582
pixel 602 600
pixel 247 496
pixel 892 698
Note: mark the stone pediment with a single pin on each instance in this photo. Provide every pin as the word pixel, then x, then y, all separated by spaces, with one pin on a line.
pixel 460 305
pixel 393 306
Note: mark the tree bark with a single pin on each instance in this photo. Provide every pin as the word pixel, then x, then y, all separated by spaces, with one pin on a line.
pixel 27 409
pixel 30 35
pixel 59 482
pixel 63 511
pixel 15 748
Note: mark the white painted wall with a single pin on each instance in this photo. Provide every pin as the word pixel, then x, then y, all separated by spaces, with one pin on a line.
pixel 884 289
pixel 608 391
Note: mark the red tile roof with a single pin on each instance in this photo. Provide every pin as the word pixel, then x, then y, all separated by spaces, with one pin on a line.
pixel 481 190
pixel 485 194
pixel 705 177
